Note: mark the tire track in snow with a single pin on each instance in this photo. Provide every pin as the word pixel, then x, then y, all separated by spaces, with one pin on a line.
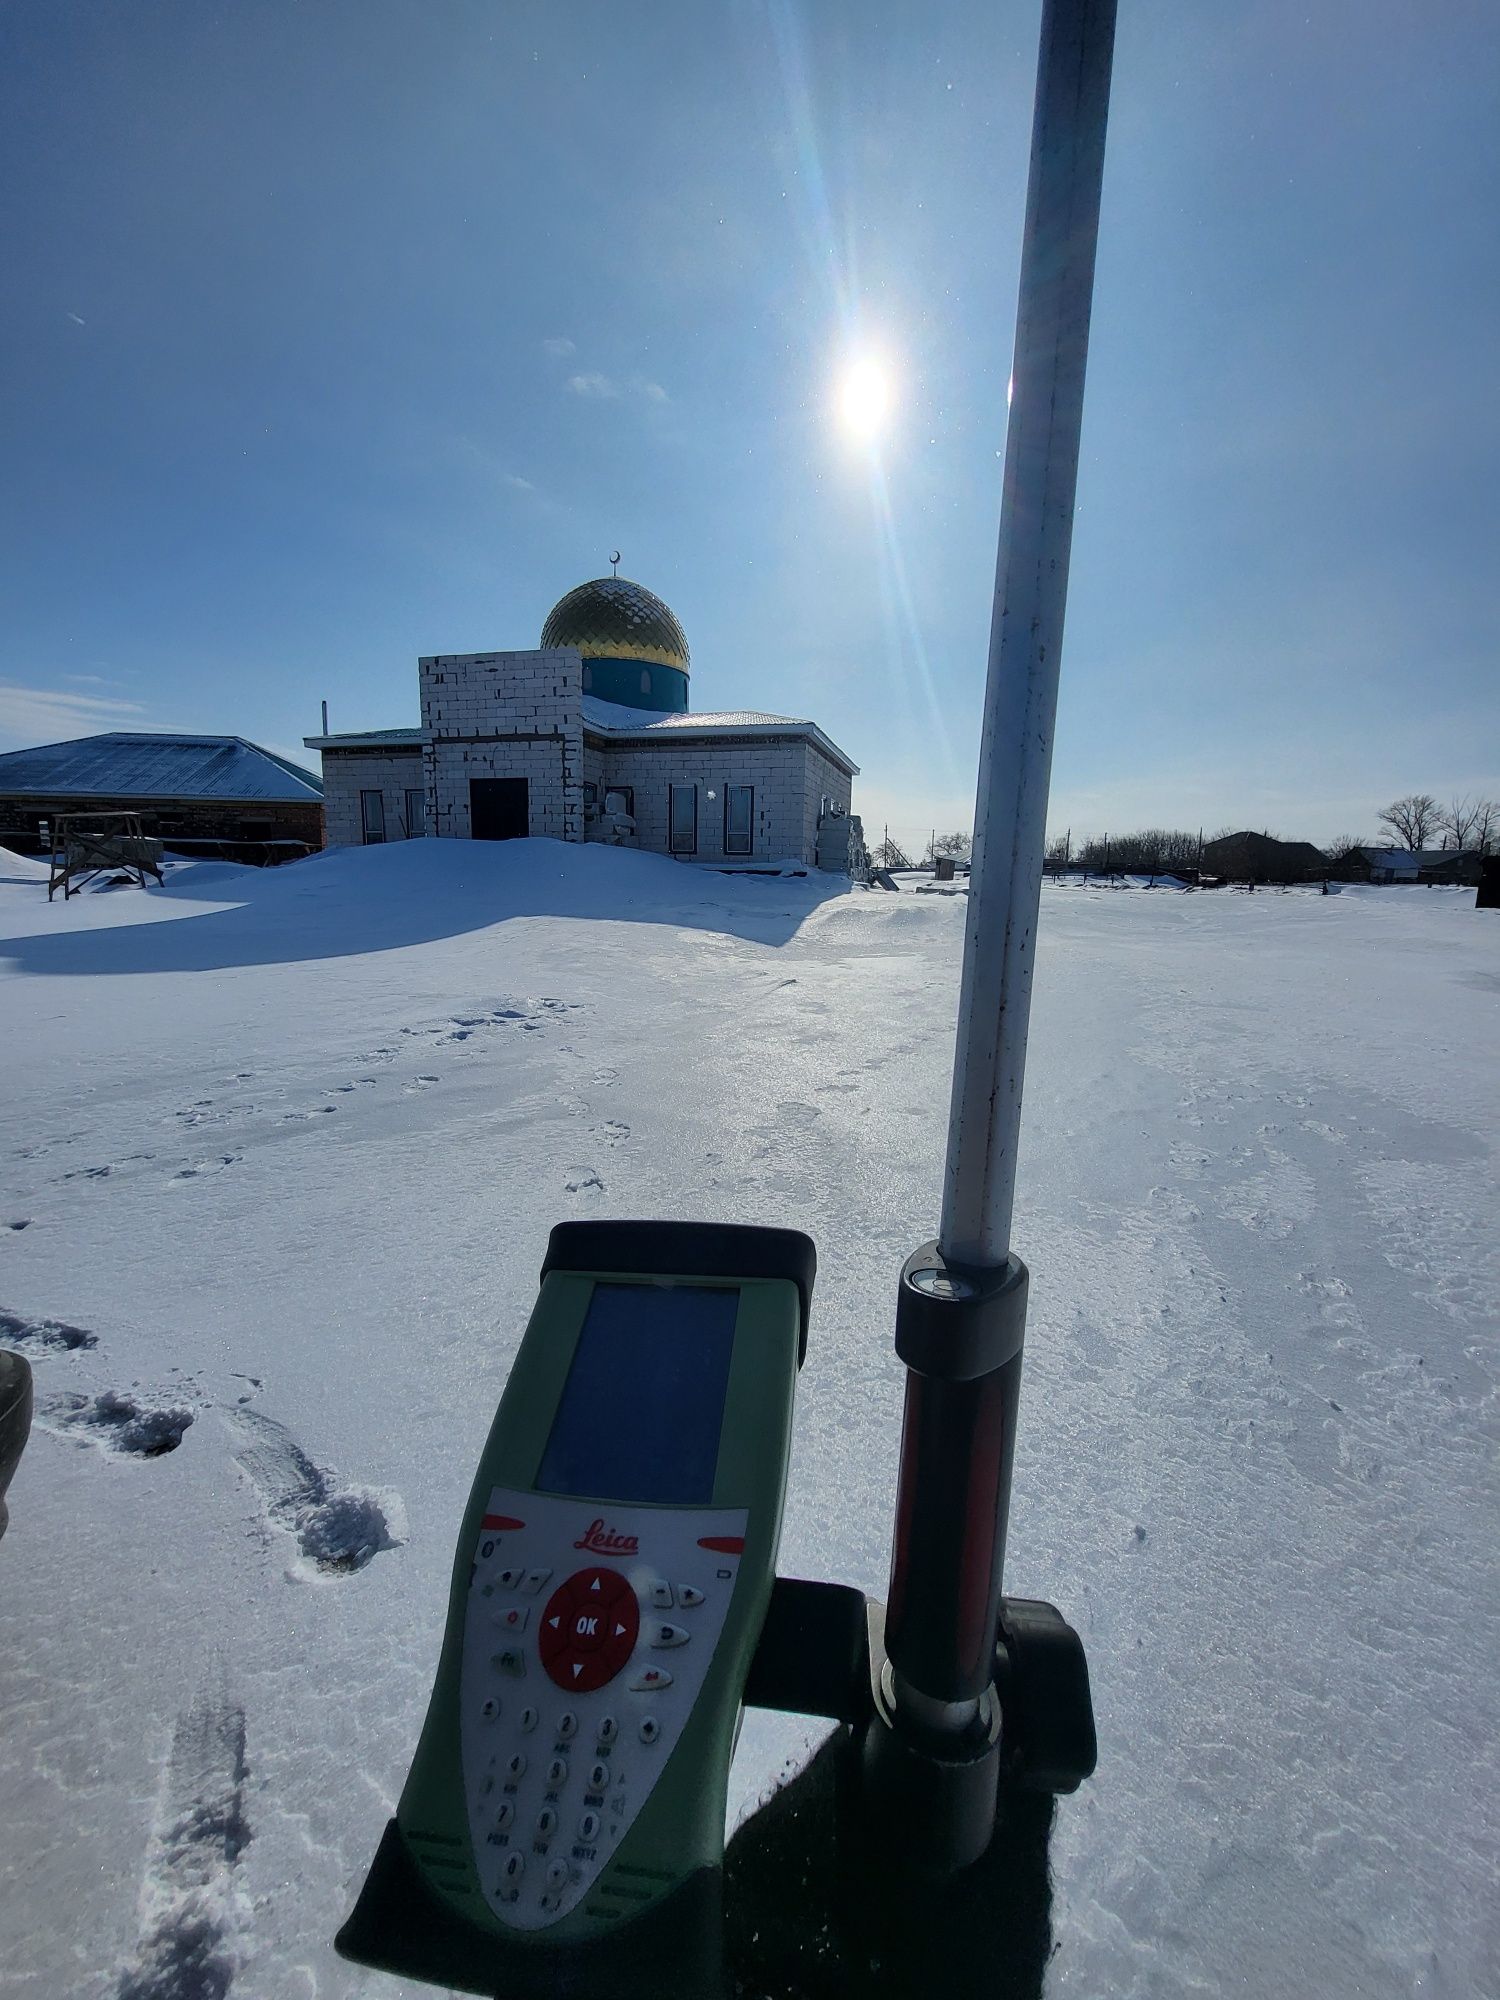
pixel 190 1905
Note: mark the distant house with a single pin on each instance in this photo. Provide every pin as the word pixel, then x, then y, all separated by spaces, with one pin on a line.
pixel 1255 857
pixel 199 794
pixel 1432 865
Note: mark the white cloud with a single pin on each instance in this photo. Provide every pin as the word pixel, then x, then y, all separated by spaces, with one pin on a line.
pixel 559 343
pixel 514 479
pixel 76 320
pixel 602 386
pixel 49 715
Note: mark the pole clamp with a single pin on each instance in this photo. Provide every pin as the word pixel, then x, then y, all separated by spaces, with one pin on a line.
pixel 959 1321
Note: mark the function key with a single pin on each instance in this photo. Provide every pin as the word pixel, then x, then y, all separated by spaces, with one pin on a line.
pixel 528 1719
pixel 557 1771
pixel 533 1580
pixel 661 1596
pixel 546 1823
pixel 588 1826
pixel 513 1618
pixel 557 1874
pixel 688 1597
pixel 650 1729
pixel 669 1635
pixel 510 1579
pixel 510 1660
pixel 567 1725
pixel 490 1708
pixel 650 1680
pixel 516 1768
pixel 609 1729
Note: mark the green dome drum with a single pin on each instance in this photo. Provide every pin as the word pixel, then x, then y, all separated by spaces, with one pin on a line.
pixel 634 651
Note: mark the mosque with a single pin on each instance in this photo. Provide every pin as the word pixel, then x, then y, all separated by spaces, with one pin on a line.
pixel 590 737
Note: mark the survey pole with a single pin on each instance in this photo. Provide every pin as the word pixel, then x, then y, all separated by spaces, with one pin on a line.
pixel 934 1753
pixel 1031 588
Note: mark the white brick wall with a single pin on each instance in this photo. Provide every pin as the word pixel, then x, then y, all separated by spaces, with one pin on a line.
pixel 520 715
pixel 347 773
pixel 774 766
pixel 504 715
pixel 822 779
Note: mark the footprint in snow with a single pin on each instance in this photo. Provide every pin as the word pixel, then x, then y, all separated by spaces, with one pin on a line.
pixel 419 1083
pixel 18 1223
pixel 201 1169
pixel 49 1334
pixel 301 1117
pixel 338 1529
pixel 117 1422
pixel 582 1180
pixel 614 1131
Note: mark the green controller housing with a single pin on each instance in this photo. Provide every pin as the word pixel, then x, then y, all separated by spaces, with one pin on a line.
pixel 433 1907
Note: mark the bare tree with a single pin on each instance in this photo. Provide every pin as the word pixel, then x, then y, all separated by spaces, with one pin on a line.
pixel 890 854
pixel 1413 819
pixel 956 844
pixel 1345 847
pixel 1458 818
pixel 1486 825
pixel 1059 850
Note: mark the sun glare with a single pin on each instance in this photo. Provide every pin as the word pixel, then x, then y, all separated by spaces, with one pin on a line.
pixel 865 398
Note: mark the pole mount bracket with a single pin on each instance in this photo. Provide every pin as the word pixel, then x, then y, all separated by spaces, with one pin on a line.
pixel 959 1321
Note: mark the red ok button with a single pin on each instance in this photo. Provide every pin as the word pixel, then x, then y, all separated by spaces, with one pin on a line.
pixel 588 1629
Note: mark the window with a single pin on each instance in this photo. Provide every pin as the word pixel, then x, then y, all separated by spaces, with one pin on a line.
pixel 588 677
pixel 372 817
pixel 416 814
pixel 739 818
pixel 620 799
pixel 645 680
pixel 682 819
pixel 590 795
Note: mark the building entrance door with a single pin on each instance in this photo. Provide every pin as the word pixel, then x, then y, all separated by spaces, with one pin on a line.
pixel 499 809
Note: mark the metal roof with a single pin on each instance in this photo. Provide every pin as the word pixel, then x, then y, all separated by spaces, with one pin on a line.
pixel 130 763
pixel 365 739
pixel 608 718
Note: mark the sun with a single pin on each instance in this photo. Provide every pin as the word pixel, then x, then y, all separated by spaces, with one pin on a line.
pixel 865 397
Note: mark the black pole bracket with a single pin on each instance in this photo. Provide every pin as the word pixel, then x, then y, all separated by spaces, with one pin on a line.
pixel 959 1321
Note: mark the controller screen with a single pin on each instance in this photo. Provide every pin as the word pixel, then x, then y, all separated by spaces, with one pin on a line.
pixel 643 1405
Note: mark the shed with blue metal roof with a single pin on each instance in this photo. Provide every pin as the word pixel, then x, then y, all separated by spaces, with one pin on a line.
pixel 199 794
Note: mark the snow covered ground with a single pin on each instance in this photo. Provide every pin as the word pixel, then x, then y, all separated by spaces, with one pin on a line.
pixel 279 1156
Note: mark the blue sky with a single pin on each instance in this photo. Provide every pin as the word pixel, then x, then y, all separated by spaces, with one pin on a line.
pixel 332 334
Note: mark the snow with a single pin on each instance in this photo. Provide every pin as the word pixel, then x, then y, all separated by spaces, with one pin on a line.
pixel 280 1155
pixel 20 868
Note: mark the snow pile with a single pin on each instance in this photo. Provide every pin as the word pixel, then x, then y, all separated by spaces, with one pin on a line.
pixel 280 1156
pixel 20 868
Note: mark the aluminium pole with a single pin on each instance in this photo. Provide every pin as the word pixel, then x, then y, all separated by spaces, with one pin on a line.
pixel 961 1311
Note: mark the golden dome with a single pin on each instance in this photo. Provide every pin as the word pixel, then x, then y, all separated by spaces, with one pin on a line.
pixel 615 619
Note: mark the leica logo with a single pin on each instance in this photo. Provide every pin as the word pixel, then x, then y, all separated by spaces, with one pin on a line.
pixel 603 1541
